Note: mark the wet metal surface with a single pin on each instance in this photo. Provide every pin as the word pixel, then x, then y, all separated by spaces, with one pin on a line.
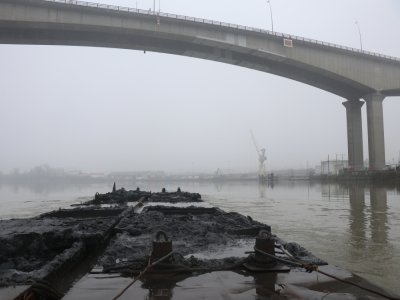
pixel 224 285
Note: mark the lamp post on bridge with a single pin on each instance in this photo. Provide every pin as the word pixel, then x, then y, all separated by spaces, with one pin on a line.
pixel 359 33
pixel 270 11
pixel 154 6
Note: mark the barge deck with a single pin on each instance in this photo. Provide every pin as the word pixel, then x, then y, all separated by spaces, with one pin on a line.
pixel 173 245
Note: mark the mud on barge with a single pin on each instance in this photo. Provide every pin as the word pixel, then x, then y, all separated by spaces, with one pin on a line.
pixel 167 245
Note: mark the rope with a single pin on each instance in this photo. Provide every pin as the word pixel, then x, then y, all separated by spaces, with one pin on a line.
pixel 310 268
pixel 149 266
pixel 285 261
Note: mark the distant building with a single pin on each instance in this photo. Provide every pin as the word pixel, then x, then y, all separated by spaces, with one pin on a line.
pixel 137 175
pixel 333 167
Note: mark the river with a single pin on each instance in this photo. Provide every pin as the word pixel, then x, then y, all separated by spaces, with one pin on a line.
pixel 353 226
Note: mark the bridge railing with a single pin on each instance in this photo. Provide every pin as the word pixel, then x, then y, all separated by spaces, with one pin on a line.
pixel 218 23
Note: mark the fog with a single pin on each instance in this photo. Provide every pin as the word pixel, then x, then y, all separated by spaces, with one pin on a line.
pixel 105 110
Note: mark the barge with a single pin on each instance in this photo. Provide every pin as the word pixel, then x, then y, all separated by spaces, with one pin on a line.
pixel 167 245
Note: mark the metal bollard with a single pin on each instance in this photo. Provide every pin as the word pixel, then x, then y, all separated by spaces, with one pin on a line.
pixel 265 243
pixel 162 245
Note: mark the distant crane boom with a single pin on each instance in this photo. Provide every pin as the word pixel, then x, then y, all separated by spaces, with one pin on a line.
pixel 261 158
pixel 254 142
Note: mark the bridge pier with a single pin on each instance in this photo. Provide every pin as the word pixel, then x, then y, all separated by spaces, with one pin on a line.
pixel 354 134
pixel 376 137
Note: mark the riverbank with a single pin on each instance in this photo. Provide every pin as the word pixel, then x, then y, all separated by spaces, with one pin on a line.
pixel 384 177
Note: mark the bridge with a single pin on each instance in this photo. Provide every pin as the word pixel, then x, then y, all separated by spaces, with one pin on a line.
pixel 356 76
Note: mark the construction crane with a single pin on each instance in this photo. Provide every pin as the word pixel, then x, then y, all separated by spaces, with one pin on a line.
pixel 262 175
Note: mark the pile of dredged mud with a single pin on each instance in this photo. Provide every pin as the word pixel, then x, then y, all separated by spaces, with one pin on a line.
pixel 122 234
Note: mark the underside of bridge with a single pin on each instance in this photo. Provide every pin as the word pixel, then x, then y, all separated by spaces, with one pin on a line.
pixel 72 35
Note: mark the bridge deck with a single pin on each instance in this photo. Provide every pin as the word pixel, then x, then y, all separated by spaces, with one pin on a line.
pixel 222 24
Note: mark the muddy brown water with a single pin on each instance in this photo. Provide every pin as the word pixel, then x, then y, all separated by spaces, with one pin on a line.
pixel 356 227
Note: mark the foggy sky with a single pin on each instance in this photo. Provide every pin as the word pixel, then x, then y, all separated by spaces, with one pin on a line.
pixel 106 110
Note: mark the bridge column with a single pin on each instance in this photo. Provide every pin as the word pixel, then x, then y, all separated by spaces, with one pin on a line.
pixel 354 134
pixel 376 137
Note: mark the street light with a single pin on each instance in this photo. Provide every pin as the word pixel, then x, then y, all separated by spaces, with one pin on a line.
pixel 154 6
pixel 270 11
pixel 359 33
